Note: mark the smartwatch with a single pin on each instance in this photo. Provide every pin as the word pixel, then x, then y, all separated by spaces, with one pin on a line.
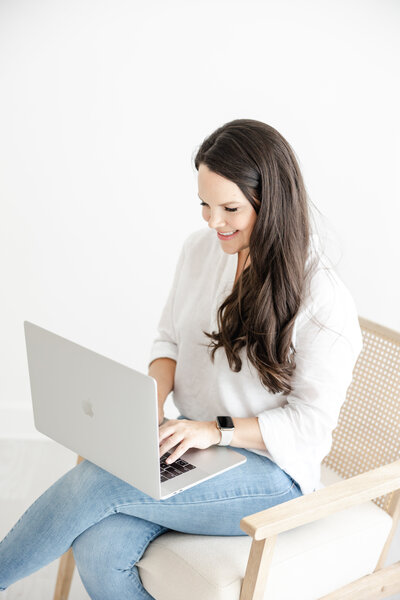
pixel 227 428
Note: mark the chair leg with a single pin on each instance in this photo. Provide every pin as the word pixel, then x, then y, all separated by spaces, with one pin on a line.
pixel 394 512
pixel 255 579
pixel 64 576
pixel 65 569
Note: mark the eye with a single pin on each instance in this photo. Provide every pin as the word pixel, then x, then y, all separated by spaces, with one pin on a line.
pixel 226 208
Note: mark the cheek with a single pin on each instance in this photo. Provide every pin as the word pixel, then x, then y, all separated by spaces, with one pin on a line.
pixel 251 221
pixel 241 222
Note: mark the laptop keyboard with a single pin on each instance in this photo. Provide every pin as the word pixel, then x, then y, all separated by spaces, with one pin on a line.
pixel 178 467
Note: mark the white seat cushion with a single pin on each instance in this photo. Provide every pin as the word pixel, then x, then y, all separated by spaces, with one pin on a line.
pixel 309 561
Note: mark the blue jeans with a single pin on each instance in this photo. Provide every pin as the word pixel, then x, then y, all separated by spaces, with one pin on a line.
pixel 109 523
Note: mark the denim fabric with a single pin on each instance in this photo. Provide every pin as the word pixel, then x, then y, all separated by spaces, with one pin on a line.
pixel 110 523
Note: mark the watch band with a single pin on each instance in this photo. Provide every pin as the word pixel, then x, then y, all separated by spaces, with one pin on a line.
pixel 227 428
pixel 226 437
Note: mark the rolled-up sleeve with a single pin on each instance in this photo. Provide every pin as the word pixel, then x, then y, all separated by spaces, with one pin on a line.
pixel 298 434
pixel 165 344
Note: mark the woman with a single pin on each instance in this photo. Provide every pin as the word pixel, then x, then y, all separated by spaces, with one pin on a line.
pixel 255 327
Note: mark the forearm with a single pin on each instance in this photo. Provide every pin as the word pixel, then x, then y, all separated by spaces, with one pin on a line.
pixel 163 371
pixel 247 433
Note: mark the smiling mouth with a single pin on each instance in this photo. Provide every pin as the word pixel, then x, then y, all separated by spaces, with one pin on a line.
pixel 226 236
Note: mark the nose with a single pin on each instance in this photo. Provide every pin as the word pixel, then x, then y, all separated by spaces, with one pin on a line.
pixel 216 221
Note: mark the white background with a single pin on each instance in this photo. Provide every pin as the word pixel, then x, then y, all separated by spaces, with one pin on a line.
pixel 102 107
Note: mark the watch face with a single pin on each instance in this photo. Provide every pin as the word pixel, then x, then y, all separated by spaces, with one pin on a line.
pixel 225 422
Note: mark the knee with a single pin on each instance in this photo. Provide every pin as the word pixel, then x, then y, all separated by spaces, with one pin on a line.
pixel 102 547
pixel 92 549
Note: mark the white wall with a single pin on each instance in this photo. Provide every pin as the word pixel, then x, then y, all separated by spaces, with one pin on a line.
pixel 102 106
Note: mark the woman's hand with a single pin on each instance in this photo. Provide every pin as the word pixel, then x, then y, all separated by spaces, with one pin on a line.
pixel 187 434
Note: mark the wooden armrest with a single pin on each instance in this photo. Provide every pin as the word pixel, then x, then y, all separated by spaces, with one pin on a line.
pixel 323 502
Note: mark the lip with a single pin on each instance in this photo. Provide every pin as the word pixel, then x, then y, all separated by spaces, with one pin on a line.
pixel 225 238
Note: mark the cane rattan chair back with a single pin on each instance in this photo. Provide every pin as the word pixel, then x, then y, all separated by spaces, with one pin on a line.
pixel 368 432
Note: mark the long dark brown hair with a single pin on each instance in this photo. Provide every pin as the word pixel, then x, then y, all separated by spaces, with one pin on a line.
pixel 260 311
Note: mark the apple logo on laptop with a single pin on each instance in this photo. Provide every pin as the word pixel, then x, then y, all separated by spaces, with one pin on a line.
pixel 87 408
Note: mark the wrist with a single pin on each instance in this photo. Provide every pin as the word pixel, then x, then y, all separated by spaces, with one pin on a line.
pixel 215 432
pixel 160 412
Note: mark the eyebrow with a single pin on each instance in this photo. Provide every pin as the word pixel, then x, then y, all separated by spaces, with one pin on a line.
pixel 225 203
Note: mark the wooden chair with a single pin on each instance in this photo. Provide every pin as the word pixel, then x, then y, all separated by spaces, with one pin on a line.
pixel 364 466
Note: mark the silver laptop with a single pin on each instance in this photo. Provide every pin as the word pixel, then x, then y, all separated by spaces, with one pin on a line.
pixel 108 413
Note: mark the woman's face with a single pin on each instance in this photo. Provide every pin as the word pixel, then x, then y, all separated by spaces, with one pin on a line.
pixel 226 210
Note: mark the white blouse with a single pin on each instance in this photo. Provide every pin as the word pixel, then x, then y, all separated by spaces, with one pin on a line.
pixel 296 427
